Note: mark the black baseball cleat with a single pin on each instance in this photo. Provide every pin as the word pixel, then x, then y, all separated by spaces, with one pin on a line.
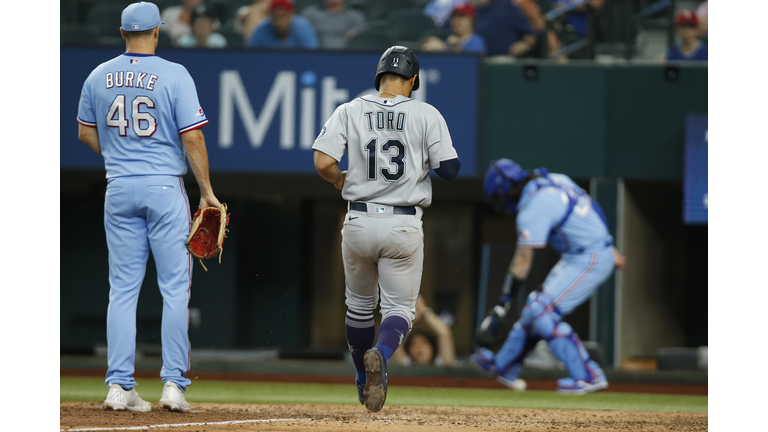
pixel 375 391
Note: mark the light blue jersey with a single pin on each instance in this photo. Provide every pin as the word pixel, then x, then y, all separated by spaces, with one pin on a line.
pixel 140 104
pixel 555 210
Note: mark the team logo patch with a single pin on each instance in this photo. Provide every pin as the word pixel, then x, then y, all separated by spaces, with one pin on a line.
pixel 135 27
pixel 200 113
pixel 523 234
pixel 322 132
pixel 133 61
pixel 396 62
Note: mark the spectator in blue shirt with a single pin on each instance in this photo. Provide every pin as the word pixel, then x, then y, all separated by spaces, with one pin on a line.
pixel 284 29
pixel 690 47
pixel 504 27
pixel 577 18
pixel 464 38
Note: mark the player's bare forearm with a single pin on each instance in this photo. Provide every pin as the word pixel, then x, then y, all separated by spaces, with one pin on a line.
pixel 90 136
pixel 521 263
pixel 533 12
pixel 194 144
pixel 328 169
pixel 619 260
pixel 445 345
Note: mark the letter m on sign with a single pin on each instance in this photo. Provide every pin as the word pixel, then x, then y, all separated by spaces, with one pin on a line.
pixel 232 94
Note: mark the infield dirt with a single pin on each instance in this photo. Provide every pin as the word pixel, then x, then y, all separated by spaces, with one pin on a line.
pixel 338 418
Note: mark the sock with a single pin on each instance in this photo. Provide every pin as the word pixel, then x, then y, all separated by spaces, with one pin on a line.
pixel 392 331
pixel 360 333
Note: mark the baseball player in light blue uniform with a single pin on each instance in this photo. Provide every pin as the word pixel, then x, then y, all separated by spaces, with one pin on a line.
pixel 137 110
pixel 551 209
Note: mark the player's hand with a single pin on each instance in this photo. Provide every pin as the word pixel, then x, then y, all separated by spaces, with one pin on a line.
pixel 340 182
pixel 209 201
pixel 619 260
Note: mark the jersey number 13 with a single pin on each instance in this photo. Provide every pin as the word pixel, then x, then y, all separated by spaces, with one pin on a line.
pixel 396 150
pixel 116 117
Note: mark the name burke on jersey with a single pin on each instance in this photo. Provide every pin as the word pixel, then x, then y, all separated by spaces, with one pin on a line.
pixel 131 79
pixel 385 120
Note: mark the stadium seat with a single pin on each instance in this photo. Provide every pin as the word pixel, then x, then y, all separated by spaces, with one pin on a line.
pixel 380 9
pixel 234 39
pixel 303 4
pixel 371 39
pixel 115 41
pixel 359 5
pixel 164 39
pixel 379 24
pixel 224 10
pixel 75 34
pixel 441 33
pixel 106 19
pixel 409 24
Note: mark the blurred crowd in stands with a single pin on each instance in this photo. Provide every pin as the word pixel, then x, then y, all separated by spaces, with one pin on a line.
pixel 556 29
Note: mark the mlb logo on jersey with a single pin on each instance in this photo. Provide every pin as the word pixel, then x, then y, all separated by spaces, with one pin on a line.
pixel 133 61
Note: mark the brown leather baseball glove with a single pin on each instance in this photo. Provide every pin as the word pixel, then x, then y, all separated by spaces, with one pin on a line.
pixel 209 229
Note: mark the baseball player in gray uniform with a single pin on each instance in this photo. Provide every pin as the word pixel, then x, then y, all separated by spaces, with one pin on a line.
pixel 392 141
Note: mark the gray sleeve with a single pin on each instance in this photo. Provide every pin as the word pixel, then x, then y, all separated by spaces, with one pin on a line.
pixel 310 13
pixel 333 136
pixel 357 21
pixel 439 144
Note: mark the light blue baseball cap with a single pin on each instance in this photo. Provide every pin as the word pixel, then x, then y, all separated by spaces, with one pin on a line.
pixel 140 16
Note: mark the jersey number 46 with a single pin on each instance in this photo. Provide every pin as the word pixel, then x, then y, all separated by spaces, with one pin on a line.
pixel 116 117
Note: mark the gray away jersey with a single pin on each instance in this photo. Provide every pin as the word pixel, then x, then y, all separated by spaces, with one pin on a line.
pixel 392 144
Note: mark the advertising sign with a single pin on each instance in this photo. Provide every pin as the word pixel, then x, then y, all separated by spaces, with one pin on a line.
pixel 696 186
pixel 266 107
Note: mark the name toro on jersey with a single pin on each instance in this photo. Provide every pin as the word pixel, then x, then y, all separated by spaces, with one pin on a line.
pixel 402 139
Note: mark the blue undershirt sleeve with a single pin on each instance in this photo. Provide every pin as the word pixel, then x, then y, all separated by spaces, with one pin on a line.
pixel 449 169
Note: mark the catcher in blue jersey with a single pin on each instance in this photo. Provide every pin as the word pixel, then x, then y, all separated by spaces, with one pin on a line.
pixel 551 209
pixel 142 114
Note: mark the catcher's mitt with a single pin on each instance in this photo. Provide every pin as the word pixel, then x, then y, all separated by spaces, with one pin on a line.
pixel 494 328
pixel 209 229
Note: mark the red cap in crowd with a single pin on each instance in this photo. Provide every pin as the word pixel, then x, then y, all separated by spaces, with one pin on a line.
pixel 687 17
pixel 286 5
pixel 465 9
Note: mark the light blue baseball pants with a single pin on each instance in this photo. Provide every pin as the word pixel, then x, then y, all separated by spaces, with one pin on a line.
pixel 143 213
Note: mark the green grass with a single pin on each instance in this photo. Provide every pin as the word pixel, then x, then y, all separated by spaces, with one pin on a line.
pixel 93 389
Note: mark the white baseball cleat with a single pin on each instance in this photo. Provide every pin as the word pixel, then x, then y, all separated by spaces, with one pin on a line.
pixel 119 400
pixel 580 387
pixel 173 398
pixel 517 384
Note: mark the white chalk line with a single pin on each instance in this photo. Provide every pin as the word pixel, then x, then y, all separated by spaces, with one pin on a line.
pixel 170 425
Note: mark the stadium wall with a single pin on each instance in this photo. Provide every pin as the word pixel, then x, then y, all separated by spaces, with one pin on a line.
pixel 613 128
